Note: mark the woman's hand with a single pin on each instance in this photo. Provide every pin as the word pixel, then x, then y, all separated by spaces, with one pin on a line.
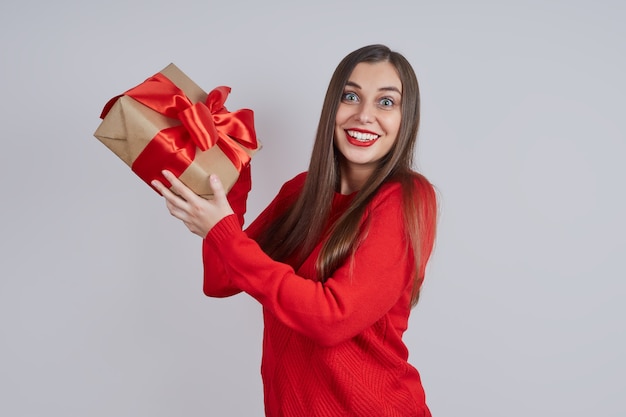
pixel 197 213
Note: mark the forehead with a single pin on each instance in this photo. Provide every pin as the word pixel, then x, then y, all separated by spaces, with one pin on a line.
pixel 376 75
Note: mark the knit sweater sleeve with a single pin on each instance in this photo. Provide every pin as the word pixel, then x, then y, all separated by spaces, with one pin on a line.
pixel 217 282
pixel 358 293
pixel 220 286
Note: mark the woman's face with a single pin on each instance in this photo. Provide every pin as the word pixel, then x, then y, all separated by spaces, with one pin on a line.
pixel 368 117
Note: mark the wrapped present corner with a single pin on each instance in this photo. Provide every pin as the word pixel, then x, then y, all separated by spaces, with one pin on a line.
pixel 169 122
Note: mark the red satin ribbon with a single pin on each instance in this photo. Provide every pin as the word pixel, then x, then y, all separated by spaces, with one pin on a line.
pixel 203 125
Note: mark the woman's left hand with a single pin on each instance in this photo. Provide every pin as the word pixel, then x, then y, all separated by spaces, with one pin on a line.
pixel 197 213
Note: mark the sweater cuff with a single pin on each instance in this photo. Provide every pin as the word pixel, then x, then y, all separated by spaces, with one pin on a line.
pixel 224 230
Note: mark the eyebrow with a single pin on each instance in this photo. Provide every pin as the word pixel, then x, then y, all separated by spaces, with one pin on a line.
pixel 391 88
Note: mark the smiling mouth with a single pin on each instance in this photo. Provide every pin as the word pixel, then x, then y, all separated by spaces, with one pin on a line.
pixel 361 138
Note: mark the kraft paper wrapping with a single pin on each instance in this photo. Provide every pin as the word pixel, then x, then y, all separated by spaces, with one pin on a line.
pixel 129 127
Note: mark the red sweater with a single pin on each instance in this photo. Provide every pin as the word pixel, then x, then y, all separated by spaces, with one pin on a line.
pixel 329 349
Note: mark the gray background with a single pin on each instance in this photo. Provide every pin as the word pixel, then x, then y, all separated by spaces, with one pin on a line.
pixel 101 308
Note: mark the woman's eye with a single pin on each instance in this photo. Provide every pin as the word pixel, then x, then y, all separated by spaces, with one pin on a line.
pixel 350 97
pixel 386 102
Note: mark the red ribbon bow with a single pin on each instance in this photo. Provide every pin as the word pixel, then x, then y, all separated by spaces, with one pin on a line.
pixel 203 125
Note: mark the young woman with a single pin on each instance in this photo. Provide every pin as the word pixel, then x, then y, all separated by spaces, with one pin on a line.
pixel 338 257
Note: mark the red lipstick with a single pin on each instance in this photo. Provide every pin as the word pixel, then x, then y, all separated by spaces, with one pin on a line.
pixel 361 137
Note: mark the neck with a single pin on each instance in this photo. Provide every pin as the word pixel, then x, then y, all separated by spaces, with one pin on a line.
pixel 353 178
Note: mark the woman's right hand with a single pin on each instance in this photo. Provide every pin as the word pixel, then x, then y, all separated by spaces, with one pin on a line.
pixel 200 215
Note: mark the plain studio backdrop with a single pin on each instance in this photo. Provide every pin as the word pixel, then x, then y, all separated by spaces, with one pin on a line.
pixel 522 313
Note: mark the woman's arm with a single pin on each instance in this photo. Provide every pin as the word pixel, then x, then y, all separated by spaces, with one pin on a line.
pixel 217 282
pixel 199 215
pixel 358 294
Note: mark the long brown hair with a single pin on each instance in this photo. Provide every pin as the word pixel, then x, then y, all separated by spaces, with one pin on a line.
pixel 295 234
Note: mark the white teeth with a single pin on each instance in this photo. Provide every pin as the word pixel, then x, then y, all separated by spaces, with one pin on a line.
pixel 363 137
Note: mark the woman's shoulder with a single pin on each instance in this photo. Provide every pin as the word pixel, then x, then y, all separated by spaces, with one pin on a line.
pixel 411 182
pixel 292 187
pixel 297 181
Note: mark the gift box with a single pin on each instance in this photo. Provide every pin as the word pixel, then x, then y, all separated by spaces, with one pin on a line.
pixel 169 122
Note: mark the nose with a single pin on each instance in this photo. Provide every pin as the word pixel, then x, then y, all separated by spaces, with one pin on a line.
pixel 364 114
